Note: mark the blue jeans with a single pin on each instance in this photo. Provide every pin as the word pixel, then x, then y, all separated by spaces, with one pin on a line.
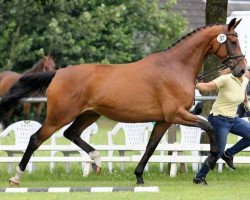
pixel 222 126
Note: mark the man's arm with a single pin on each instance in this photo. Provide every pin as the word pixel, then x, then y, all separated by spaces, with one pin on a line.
pixel 206 87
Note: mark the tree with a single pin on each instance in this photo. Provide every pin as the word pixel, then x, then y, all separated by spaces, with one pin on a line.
pixel 84 31
pixel 216 12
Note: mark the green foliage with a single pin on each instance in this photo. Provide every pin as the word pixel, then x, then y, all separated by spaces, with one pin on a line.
pixel 84 31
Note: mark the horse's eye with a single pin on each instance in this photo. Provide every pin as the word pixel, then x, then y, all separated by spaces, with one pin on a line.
pixel 234 43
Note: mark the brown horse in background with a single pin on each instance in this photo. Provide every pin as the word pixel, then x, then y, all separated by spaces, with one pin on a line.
pixel 158 88
pixel 9 78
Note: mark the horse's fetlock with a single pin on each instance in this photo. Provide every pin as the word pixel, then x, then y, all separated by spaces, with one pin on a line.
pixel 16 179
pixel 96 156
pixel 138 171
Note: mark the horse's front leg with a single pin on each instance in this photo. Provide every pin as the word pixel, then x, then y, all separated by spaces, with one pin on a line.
pixel 188 119
pixel 158 131
pixel 35 141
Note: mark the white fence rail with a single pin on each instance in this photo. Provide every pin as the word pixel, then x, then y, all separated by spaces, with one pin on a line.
pixel 132 158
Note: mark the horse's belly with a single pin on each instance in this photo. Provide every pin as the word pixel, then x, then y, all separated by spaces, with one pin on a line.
pixel 142 115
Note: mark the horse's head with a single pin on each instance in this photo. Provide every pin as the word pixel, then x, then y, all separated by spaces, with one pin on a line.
pixel 48 64
pixel 226 46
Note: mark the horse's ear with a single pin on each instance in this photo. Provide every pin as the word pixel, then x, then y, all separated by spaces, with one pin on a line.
pixel 236 23
pixel 231 24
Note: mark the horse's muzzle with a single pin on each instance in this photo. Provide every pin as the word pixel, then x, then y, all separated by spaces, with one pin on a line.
pixel 239 72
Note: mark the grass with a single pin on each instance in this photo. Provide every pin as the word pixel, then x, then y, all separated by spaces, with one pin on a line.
pixel 227 185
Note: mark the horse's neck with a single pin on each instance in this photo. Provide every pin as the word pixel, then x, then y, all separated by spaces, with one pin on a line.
pixel 37 67
pixel 192 51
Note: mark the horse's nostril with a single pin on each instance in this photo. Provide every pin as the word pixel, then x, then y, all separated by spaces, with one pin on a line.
pixel 243 71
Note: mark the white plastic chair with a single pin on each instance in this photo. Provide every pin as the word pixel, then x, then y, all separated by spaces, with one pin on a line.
pixel 220 165
pixel 22 132
pixel 135 134
pixel 189 135
pixel 92 129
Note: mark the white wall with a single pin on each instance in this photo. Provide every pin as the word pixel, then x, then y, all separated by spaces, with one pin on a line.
pixel 243 30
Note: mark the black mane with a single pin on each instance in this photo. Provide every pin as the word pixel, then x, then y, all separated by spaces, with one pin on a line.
pixel 189 34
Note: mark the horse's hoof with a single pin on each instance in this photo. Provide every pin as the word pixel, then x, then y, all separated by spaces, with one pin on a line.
pixel 13 184
pixel 96 169
pixel 140 184
pixel 140 181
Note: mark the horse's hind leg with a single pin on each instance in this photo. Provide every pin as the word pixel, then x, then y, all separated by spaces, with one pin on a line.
pixel 35 141
pixel 158 131
pixel 73 133
pixel 188 119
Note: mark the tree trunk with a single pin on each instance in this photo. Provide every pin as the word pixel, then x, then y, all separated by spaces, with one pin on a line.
pixel 216 12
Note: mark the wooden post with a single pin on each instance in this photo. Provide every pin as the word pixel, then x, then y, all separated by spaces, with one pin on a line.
pixel 171 139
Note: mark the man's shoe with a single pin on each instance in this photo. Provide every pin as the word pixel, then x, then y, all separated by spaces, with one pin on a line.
pixel 229 160
pixel 199 181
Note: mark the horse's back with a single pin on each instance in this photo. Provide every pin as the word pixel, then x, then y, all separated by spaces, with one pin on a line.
pixel 103 77
pixel 7 79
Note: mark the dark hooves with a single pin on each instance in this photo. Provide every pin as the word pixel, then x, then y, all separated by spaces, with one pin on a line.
pixel 140 181
pixel 96 169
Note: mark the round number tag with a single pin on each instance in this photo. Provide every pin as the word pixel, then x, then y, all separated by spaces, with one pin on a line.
pixel 221 38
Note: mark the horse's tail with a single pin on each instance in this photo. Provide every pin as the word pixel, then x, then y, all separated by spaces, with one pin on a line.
pixel 28 85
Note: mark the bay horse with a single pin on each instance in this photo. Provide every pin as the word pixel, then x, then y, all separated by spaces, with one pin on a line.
pixel 9 78
pixel 159 88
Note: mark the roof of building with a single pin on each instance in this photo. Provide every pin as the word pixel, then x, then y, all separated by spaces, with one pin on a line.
pixel 194 10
